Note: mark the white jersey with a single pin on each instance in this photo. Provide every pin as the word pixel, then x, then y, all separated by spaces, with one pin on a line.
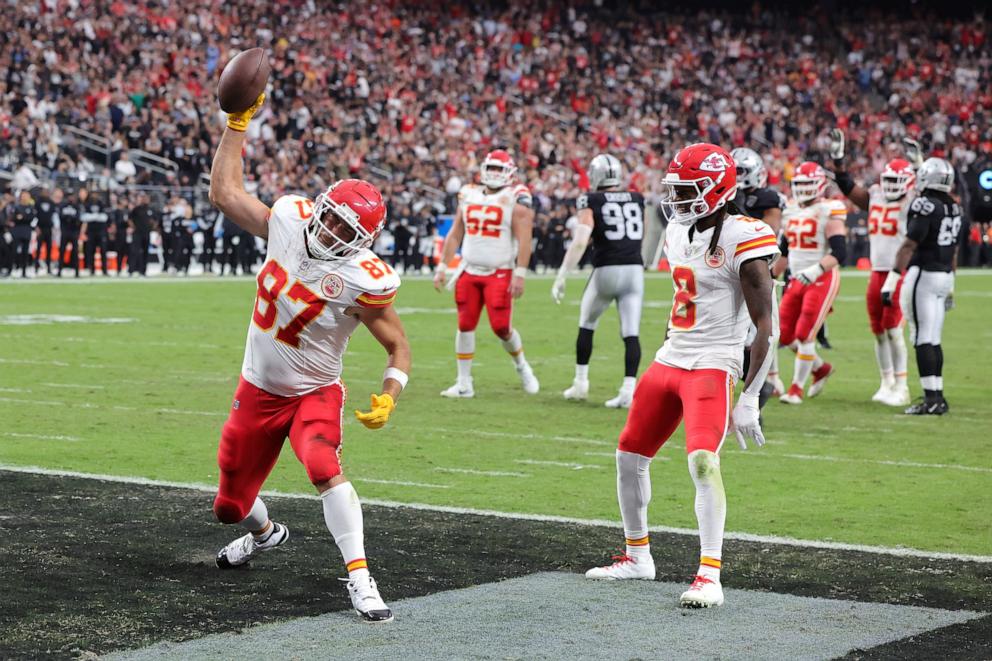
pixel 489 244
pixel 709 320
pixel 886 227
pixel 299 330
pixel 806 227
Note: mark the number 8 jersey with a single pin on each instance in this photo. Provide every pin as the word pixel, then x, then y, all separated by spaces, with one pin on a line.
pixel 299 329
pixel 709 320
pixel 618 226
pixel 488 244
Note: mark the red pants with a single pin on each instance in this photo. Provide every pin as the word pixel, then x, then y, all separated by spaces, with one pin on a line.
pixel 882 317
pixel 665 395
pixel 255 431
pixel 804 308
pixel 493 291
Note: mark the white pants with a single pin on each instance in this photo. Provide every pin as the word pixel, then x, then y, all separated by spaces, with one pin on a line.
pixel 923 296
pixel 623 283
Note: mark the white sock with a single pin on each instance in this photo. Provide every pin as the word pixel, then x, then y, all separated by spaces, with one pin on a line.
pixel 711 510
pixel 257 519
pixel 343 516
pixel 634 494
pixel 628 383
pixel 897 347
pixel 939 382
pixel 464 352
pixel 581 372
pixel 805 362
pixel 773 368
pixel 883 356
pixel 515 347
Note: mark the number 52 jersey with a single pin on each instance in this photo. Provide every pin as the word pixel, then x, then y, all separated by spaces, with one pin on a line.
pixel 709 320
pixel 299 330
pixel 489 244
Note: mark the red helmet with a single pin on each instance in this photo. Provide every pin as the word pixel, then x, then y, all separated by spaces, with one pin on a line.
pixel 701 179
pixel 358 206
pixel 809 182
pixel 897 178
pixel 497 169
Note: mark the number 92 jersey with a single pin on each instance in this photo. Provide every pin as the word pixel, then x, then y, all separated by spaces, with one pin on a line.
pixel 299 329
pixel 488 244
pixel 618 226
pixel 709 321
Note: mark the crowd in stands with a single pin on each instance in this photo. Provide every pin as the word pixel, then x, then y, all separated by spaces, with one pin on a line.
pixel 413 94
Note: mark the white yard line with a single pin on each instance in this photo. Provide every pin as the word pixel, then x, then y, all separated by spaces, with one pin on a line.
pixel 41 437
pixel 90 405
pixel 472 471
pixel 540 437
pixel 403 483
pixel 879 462
pixel 74 385
pixel 742 536
pixel 561 464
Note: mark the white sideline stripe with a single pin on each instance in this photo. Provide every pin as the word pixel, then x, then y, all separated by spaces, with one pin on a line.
pixel 503 434
pixel 613 455
pixel 472 471
pixel 549 518
pixel 88 405
pixel 562 464
pixel 883 462
pixel 42 437
pixel 72 385
pixel 403 483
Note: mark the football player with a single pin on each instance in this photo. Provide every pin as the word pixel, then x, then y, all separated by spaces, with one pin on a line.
pixel 318 283
pixel 720 272
pixel 614 219
pixel 928 259
pixel 813 245
pixel 887 204
pixel 493 225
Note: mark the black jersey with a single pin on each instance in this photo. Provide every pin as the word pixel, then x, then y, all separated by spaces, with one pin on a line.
pixel 618 226
pixel 935 223
pixel 757 201
pixel 68 218
pixel 46 214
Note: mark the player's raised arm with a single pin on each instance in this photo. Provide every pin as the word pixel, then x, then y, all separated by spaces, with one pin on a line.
pixel 385 325
pixel 523 232
pixel 854 192
pixel 448 249
pixel 227 191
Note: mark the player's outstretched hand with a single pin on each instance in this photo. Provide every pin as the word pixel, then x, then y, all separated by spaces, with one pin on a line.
pixel 439 278
pixel 516 286
pixel 837 144
pixel 238 121
pixel 914 151
pixel 747 423
pixel 558 290
pixel 889 288
pixel 382 406
pixel 810 275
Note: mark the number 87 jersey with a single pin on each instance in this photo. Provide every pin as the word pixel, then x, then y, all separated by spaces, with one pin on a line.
pixel 301 325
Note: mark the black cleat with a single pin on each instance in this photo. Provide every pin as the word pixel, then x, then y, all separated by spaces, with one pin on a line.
pixel 924 407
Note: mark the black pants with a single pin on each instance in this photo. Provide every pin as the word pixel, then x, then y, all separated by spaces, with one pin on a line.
pixel 138 260
pixel 123 251
pixel 45 240
pixel 69 244
pixel 22 248
pixel 96 238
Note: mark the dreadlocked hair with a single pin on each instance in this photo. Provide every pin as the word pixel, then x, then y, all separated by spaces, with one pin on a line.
pixel 729 208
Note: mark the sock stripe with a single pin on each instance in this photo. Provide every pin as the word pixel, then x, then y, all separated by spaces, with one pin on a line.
pixel 465 356
pixel 360 563
pixel 517 352
pixel 640 541
pixel 707 561
pixel 901 373
pixel 805 356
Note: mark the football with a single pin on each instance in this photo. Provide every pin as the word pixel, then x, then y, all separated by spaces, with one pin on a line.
pixel 242 80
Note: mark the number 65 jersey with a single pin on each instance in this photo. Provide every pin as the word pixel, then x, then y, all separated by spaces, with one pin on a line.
pixel 709 320
pixel 488 244
pixel 299 330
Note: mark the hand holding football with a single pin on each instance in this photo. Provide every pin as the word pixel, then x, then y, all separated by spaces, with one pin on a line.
pixel 242 80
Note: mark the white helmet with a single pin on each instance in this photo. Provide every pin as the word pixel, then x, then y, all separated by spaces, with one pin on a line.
pixel 751 172
pixel 604 171
pixel 935 174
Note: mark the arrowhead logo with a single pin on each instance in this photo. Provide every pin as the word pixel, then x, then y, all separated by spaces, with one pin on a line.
pixel 714 163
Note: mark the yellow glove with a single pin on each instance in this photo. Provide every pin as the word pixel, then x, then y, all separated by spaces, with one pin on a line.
pixel 382 406
pixel 238 121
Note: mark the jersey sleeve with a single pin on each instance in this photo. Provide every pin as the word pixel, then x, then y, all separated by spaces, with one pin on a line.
pixel 522 196
pixel 287 215
pixel 582 202
pixel 754 240
pixel 836 210
pixel 921 212
pixel 369 282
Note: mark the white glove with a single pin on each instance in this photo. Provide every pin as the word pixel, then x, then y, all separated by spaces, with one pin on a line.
pixel 836 144
pixel 746 423
pixel 810 274
pixel 889 287
pixel 914 152
pixel 558 289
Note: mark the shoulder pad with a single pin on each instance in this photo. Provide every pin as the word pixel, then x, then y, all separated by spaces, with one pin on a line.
pixel 369 281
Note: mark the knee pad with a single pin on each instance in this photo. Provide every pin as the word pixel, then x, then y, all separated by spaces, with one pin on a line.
pixel 704 466
pixel 228 510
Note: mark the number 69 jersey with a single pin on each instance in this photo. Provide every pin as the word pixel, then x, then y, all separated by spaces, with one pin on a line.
pixel 709 320
pixel 299 330
pixel 618 226
pixel 488 244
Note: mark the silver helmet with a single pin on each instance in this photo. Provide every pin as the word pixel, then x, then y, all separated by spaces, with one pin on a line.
pixel 751 172
pixel 604 171
pixel 935 174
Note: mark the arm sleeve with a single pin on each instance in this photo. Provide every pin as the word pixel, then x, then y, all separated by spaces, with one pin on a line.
pixel 844 182
pixel 838 247
pixel 783 245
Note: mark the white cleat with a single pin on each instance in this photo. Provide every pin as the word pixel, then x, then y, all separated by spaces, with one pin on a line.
pixel 703 593
pixel 459 390
pixel 243 549
pixel 884 392
pixel 820 377
pixel 366 601
pixel 622 401
pixel 778 388
pixel 527 378
pixel 898 396
pixel 578 392
pixel 623 568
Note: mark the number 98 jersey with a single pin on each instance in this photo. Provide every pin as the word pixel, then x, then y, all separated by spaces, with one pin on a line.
pixel 299 329
pixel 618 226
pixel 488 244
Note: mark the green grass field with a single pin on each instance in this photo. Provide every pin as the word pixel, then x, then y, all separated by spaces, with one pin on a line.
pixel 146 397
